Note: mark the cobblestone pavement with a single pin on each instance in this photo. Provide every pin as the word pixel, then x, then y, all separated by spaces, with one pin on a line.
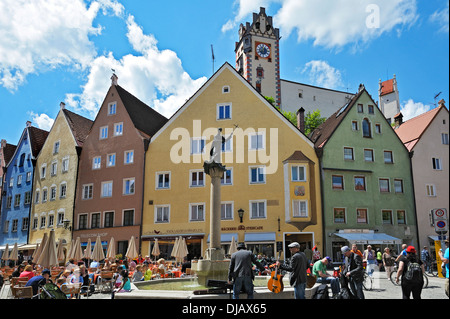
pixel 383 288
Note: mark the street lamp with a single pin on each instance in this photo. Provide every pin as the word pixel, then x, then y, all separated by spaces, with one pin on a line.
pixel 67 224
pixel 241 213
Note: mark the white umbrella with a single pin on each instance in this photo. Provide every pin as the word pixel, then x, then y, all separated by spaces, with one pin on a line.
pixel 14 255
pixel 111 253
pixel 185 248
pixel 87 251
pixel 39 250
pixel 97 253
pixel 233 247
pixel 70 253
pixel 48 256
pixel 60 252
pixel 155 251
pixel 77 253
pixel 131 251
pixel 5 255
pixel 35 251
pixel 175 248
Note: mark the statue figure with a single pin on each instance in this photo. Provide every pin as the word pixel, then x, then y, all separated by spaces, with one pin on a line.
pixel 216 147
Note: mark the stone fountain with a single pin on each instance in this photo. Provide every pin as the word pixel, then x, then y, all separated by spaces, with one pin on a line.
pixel 214 265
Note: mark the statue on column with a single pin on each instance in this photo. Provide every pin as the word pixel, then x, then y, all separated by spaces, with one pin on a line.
pixel 217 143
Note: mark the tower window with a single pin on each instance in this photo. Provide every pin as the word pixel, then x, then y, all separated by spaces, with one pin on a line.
pixel 260 72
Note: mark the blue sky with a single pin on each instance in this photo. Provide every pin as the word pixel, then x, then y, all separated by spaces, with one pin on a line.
pixel 54 50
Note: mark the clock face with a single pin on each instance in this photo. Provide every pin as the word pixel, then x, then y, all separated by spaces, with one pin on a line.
pixel 263 50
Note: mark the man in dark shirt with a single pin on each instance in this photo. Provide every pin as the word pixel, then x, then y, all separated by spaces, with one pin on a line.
pixel 297 268
pixel 240 271
pixel 353 271
pixel 37 281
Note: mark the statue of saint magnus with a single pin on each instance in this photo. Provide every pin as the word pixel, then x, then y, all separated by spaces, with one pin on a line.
pixel 217 143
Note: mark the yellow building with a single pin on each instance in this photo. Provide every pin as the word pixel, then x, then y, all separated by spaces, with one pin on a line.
pixel 55 178
pixel 272 177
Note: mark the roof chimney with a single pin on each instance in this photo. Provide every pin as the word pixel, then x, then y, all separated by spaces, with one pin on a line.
pixel 301 119
pixel 28 123
pixel 114 79
pixel 441 103
pixel 62 105
pixel 398 119
pixel 3 143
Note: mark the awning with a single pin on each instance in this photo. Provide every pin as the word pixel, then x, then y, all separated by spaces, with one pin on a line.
pixel 226 237
pixel 369 238
pixel 259 237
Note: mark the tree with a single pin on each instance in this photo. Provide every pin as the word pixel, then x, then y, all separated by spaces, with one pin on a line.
pixel 313 120
pixel 289 115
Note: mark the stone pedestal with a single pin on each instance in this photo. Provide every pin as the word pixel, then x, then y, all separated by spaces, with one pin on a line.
pixel 213 266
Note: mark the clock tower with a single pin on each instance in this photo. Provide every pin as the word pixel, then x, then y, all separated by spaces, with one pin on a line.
pixel 258 55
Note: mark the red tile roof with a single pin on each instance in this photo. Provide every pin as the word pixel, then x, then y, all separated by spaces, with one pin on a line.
pixel 79 125
pixel 387 87
pixel 411 131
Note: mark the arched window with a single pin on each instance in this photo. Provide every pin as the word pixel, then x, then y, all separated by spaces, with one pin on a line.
pixel 367 132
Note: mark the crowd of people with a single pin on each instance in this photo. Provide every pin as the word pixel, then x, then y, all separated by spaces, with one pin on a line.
pixel 87 274
pixel 346 283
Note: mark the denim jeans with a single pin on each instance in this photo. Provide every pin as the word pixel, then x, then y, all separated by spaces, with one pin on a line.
pixel 299 291
pixel 245 282
pixel 335 286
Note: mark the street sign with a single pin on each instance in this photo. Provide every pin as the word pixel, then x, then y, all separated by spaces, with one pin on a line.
pixel 439 213
pixel 441 226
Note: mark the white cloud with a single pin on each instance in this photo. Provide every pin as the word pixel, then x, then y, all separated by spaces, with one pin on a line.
pixel 244 8
pixel 155 77
pixel 322 74
pixel 37 35
pixel 42 121
pixel 441 17
pixel 412 109
pixel 335 23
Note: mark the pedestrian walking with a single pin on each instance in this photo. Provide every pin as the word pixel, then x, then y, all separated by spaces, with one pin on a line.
pixel 426 258
pixel 444 258
pixel 388 262
pixel 370 259
pixel 240 272
pixel 354 271
pixel 297 267
pixel 411 270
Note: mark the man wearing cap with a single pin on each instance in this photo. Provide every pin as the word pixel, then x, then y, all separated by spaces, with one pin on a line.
pixel 320 271
pixel 297 268
pixel 444 258
pixel 353 271
pixel 241 272
pixel 38 281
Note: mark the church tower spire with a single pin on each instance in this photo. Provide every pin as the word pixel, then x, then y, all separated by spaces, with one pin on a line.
pixel 258 55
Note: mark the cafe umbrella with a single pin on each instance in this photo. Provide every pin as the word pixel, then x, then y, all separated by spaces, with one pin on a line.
pixel 97 253
pixel 48 257
pixel 111 252
pixel 155 251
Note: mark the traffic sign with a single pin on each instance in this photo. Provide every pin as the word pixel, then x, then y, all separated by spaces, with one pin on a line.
pixel 441 226
pixel 439 214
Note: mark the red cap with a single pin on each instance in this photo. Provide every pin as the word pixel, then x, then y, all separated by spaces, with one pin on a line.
pixel 411 249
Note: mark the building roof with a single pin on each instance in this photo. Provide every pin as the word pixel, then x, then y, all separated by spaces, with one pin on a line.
pixel 79 125
pixel 145 118
pixel 37 139
pixel 324 131
pixel 387 87
pixel 410 131
pixel 8 152
pixel 298 156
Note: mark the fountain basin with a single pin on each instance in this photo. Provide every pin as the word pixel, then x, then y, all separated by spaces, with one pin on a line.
pixel 140 291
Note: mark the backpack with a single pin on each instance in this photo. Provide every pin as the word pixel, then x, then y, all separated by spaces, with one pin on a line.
pixel 413 272
pixel 322 292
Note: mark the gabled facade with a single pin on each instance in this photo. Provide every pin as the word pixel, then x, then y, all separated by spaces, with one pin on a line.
pixel 272 177
pixel 366 179
pixel 56 175
pixel 111 170
pixel 17 193
pixel 427 137
pixel 6 152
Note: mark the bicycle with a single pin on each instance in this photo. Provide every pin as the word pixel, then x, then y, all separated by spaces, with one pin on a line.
pixel 433 269
pixel 393 278
pixel 367 282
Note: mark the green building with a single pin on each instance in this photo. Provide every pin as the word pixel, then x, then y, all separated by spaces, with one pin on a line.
pixel 367 187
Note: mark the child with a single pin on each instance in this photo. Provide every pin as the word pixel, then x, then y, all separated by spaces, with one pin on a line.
pixel 125 285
